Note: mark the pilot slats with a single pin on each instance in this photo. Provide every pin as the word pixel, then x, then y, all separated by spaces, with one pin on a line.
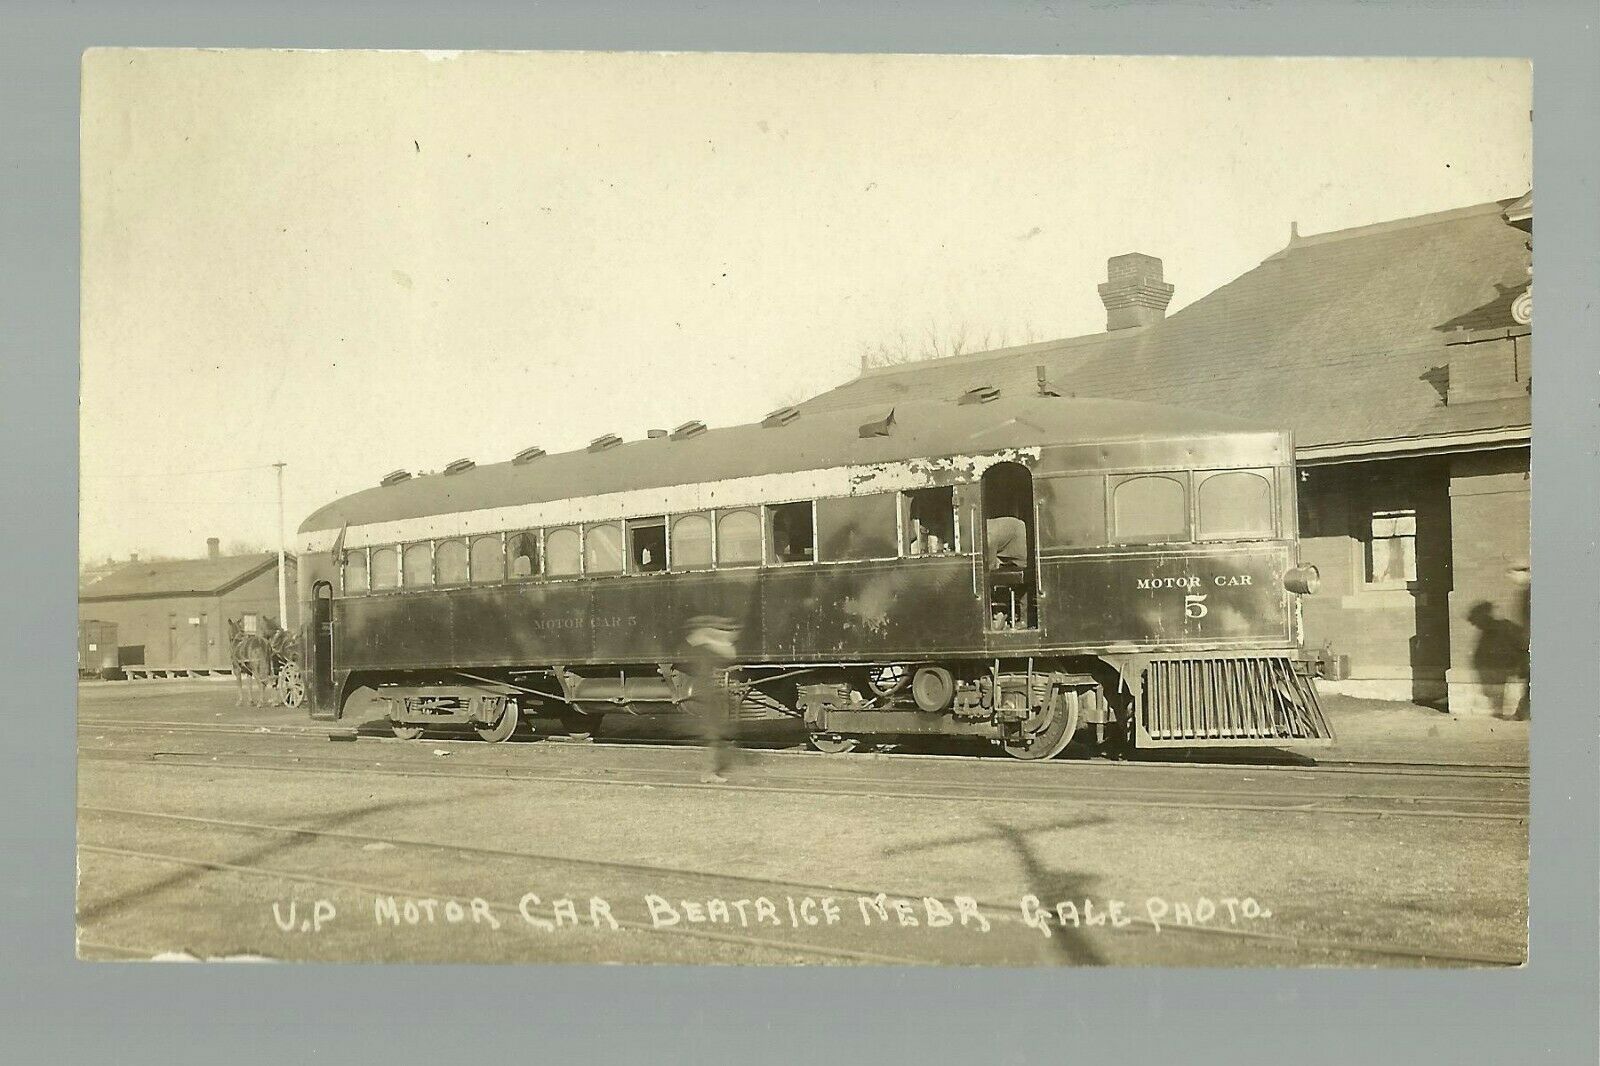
pixel 1248 700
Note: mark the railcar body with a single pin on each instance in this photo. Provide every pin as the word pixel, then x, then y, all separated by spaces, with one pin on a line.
pixel 1019 568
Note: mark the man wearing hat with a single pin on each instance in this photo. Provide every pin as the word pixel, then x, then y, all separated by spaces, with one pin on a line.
pixel 710 639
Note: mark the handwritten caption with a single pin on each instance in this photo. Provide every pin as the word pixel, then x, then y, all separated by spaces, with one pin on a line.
pixel 1154 913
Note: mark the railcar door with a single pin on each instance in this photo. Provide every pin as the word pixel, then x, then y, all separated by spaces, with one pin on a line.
pixel 1008 559
pixel 321 649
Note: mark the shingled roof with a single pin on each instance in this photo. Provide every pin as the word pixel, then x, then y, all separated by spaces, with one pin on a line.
pixel 1339 337
pixel 176 577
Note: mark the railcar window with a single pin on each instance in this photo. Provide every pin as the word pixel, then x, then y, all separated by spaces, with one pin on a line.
pixel 602 548
pixel 857 527
pixel 1072 511
pixel 930 525
pixel 647 545
pixel 523 550
pixel 1150 509
pixel 738 538
pixel 792 532
pixel 562 556
pixel 355 571
pixel 385 568
pixel 691 542
pixel 418 565
pixel 1236 505
pixel 488 558
pixel 450 562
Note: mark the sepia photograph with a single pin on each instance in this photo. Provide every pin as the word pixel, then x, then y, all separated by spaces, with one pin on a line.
pixel 770 509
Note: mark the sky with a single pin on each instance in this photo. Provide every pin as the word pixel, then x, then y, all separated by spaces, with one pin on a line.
pixel 353 262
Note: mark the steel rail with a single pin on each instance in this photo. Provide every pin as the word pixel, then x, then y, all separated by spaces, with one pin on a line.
pixel 998 911
pixel 305 877
pixel 1490 771
pixel 980 789
pixel 303 765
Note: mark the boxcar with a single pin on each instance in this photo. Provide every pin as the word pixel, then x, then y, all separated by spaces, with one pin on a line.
pixel 1025 569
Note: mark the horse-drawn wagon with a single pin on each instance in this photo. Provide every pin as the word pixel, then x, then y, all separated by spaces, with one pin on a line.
pixel 266 661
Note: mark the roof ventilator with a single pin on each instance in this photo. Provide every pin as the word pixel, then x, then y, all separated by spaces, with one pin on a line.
pixel 981 394
pixel 880 428
pixel 688 429
pixel 655 434
pixel 1045 388
pixel 394 477
pixel 781 417
pixel 600 444
pixel 459 465
pixel 527 455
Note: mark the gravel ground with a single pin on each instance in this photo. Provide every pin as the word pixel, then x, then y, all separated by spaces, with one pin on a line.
pixel 1446 885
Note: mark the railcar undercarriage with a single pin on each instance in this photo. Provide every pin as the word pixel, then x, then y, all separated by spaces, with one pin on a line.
pixel 1032 708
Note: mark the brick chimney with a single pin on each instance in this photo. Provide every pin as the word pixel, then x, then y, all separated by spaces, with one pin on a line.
pixel 1134 293
pixel 213 548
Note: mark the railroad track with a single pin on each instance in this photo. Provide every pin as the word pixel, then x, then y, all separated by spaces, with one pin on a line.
pixel 1508 771
pixel 1006 914
pixel 1495 808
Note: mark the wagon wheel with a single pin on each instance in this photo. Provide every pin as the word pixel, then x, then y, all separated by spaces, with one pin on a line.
pixel 834 744
pixel 501 729
pixel 1056 734
pixel 292 684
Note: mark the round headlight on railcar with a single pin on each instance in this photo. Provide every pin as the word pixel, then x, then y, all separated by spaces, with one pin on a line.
pixel 1302 580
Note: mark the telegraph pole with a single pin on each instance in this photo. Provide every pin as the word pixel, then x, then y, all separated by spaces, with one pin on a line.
pixel 283 591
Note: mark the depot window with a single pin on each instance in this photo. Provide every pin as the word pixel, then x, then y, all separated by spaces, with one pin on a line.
pixel 385 568
pixel 1392 548
pixel 930 522
pixel 857 527
pixel 522 550
pixel 1150 509
pixel 450 562
pixel 488 558
pixel 647 545
pixel 602 548
pixel 1236 505
pixel 563 555
pixel 355 571
pixel 791 532
pixel 738 538
pixel 691 542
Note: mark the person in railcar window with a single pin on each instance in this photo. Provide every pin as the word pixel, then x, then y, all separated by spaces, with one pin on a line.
pixel 793 538
pixel 524 553
pixel 931 521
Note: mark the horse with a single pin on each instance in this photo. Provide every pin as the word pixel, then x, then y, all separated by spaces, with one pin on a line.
pixel 251 656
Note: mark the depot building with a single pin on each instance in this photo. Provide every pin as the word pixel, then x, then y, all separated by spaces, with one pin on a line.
pixel 1400 356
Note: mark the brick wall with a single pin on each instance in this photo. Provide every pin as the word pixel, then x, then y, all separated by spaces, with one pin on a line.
pixel 1396 635
pixel 1489 503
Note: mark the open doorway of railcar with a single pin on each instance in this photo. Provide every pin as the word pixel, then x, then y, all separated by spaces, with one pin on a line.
pixel 1008 548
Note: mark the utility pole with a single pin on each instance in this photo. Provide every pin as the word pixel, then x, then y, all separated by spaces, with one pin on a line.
pixel 283 589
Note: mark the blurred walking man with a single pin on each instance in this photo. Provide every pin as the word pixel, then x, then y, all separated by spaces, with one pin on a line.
pixel 711 653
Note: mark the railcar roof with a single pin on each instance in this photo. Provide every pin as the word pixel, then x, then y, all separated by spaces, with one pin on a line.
pixel 812 440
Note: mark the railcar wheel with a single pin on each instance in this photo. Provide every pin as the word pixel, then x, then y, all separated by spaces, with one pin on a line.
pixel 406 732
pixel 834 744
pixel 1057 733
pixel 503 728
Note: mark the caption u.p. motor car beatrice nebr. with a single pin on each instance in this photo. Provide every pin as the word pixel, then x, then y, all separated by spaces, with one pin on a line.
pixel 1027 569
